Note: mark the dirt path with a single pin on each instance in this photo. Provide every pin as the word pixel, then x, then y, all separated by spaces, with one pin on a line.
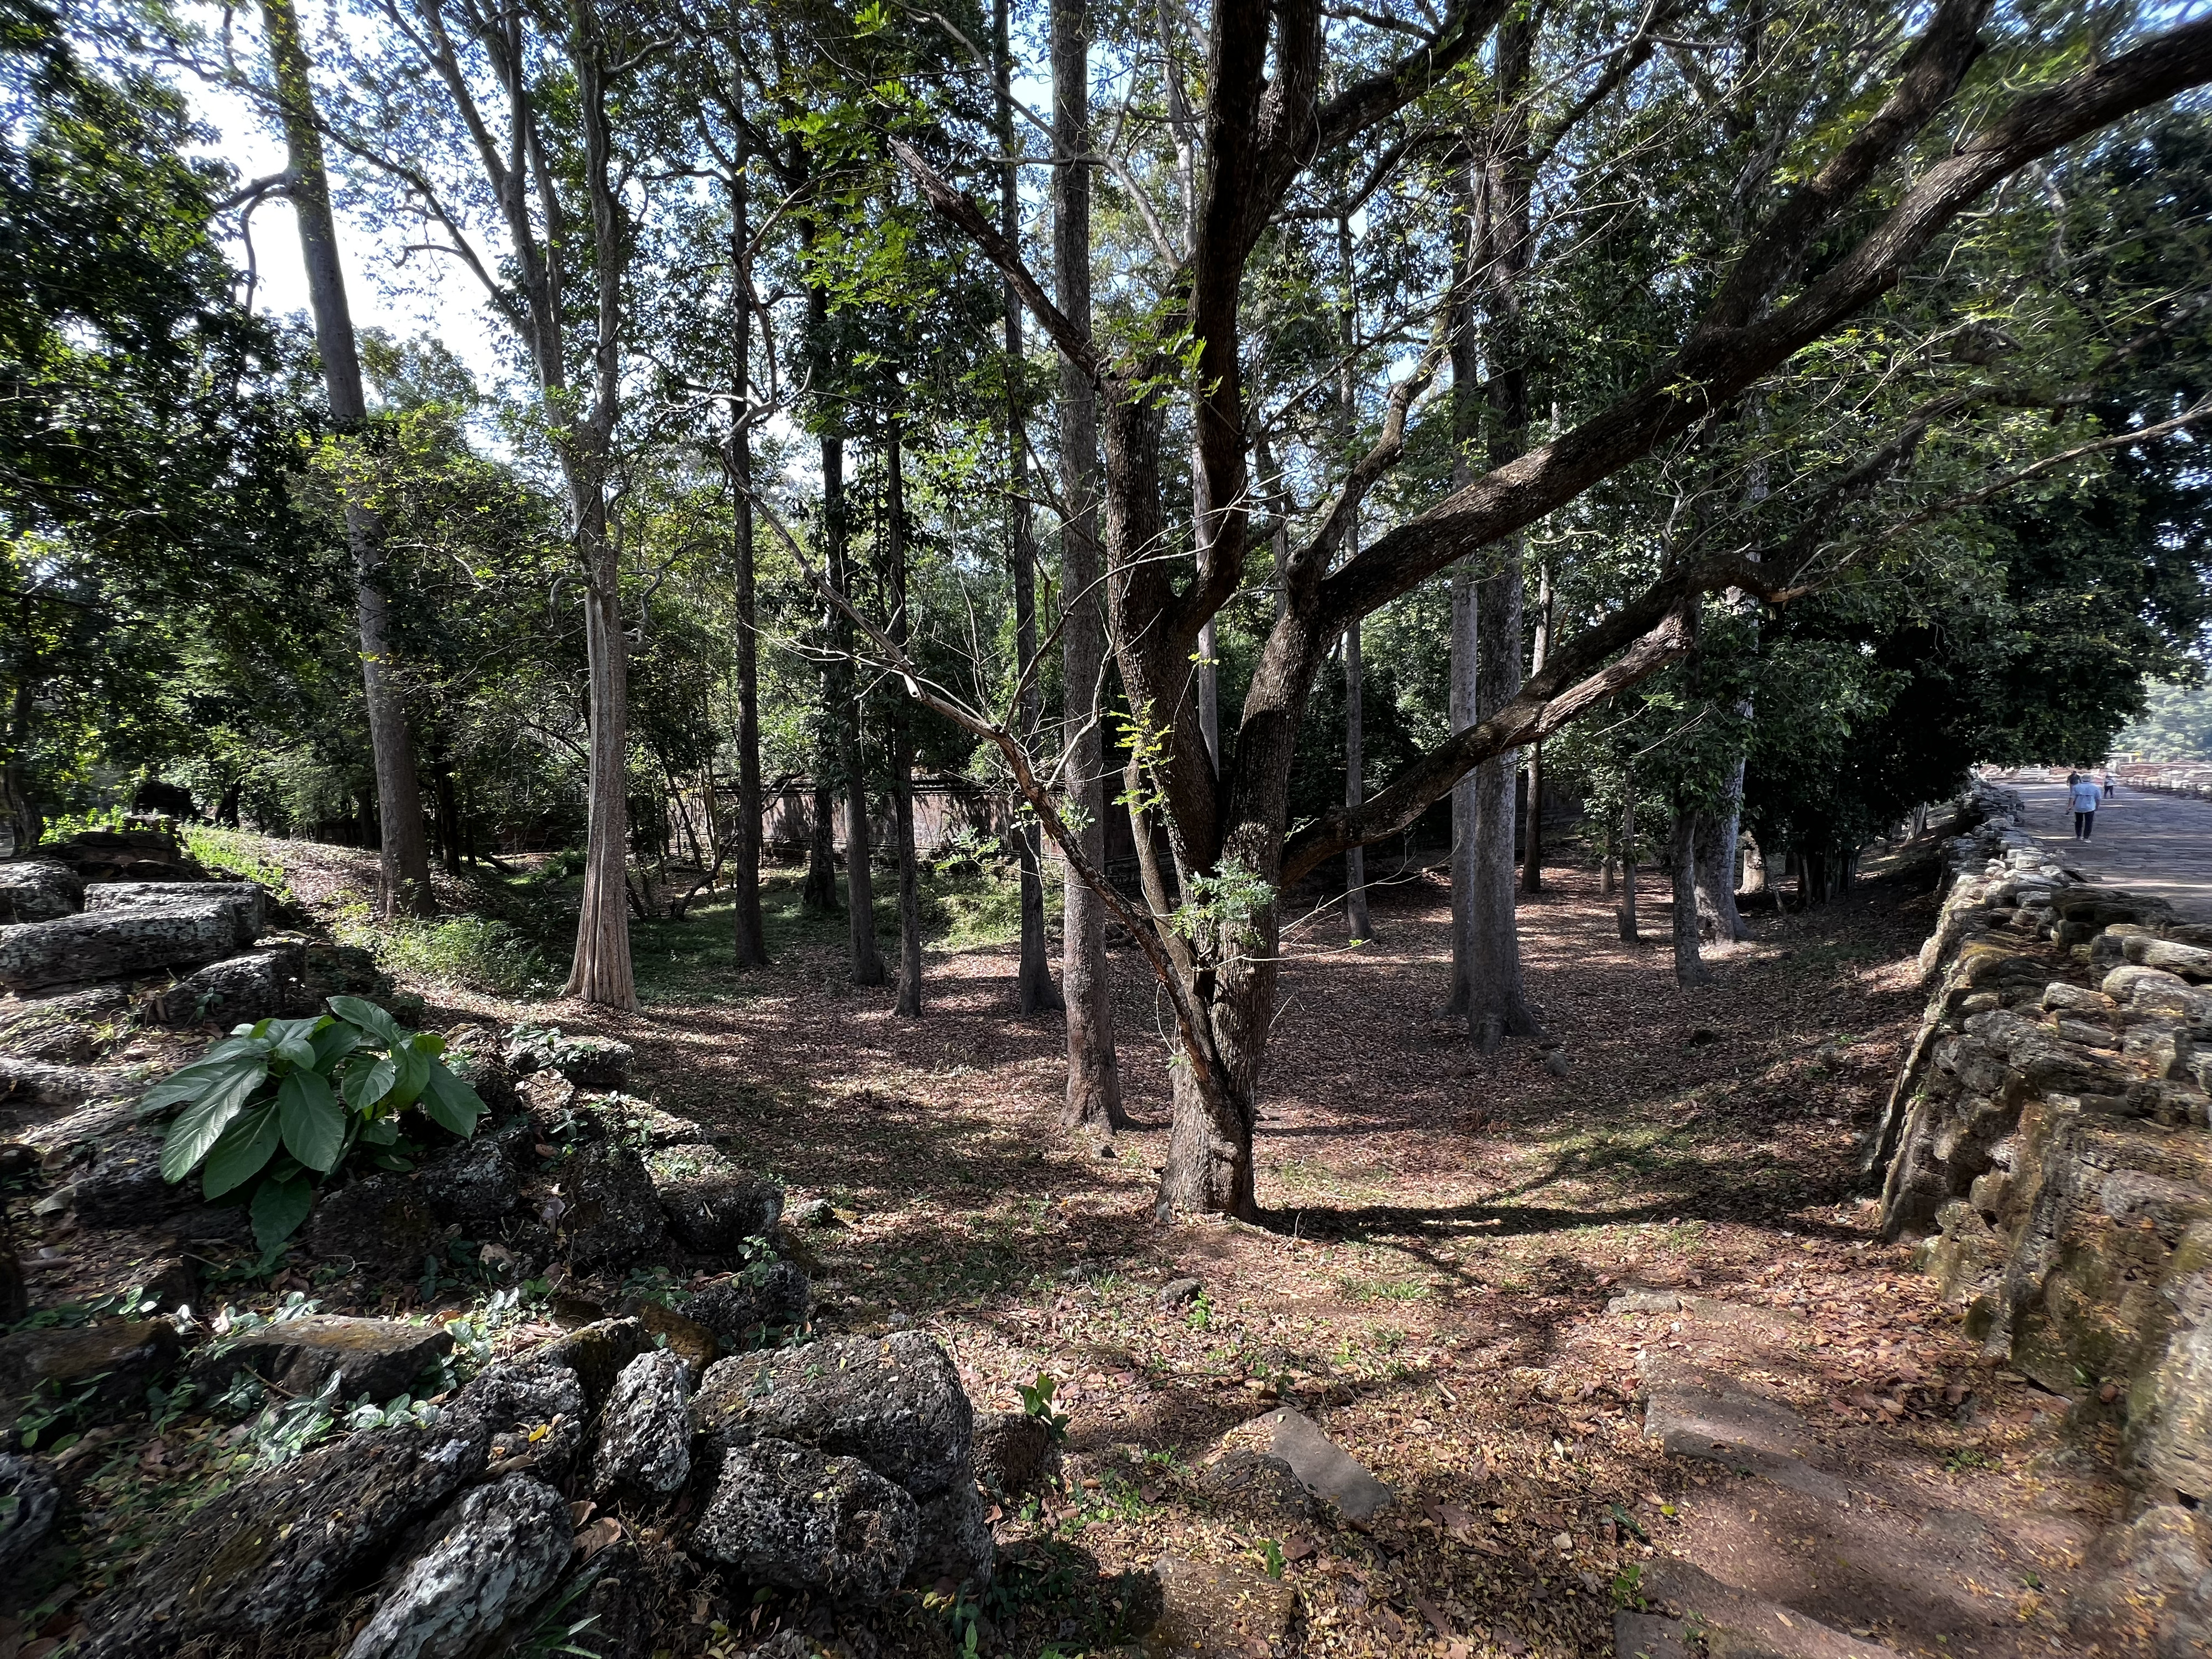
pixel 1447 1234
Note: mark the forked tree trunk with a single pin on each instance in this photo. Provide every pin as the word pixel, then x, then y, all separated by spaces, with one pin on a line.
pixel 748 932
pixel 1035 988
pixel 404 874
pixel 845 710
pixel 1094 1075
pixel 910 873
pixel 1682 874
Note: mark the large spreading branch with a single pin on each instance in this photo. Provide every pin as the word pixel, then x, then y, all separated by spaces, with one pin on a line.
pixel 1720 362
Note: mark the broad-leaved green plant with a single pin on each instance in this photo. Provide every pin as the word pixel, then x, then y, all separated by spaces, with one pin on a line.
pixel 280 1102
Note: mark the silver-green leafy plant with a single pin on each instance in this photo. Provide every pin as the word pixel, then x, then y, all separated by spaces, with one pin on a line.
pixel 279 1103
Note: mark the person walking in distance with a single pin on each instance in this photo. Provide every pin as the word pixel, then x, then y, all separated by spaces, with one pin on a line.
pixel 2082 792
pixel 2111 789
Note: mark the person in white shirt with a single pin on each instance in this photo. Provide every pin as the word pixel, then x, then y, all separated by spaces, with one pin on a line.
pixel 2083 793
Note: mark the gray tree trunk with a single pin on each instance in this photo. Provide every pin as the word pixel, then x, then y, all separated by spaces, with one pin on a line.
pixel 1465 813
pixel 1682 874
pixel 1498 1004
pixel 1717 862
pixel 845 708
pixel 1035 990
pixel 1094 1074
pixel 403 875
pixel 1627 914
pixel 749 934
pixel 1356 921
pixel 1532 835
pixel 909 871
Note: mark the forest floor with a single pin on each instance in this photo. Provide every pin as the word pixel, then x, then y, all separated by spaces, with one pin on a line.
pixel 1443 1233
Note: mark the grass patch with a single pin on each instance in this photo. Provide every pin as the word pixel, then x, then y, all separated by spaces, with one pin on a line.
pixel 474 953
pixel 236 853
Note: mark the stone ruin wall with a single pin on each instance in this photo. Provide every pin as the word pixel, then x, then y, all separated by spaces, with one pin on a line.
pixel 2048 1140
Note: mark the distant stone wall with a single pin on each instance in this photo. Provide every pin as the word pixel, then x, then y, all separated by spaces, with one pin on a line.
pixel 2048 1140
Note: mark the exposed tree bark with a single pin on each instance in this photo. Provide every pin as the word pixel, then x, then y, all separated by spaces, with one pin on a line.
pixel 1532 836
pixel 867 962
pixel 1094 1074
pixel 1035 988
pixel 1755 868
pixel 1682 874
pixel 902 729
pixel 403 864
pixel 1720 832
pixel 748 932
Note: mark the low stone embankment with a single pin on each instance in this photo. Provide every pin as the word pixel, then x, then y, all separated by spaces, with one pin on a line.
pixel 2048 1139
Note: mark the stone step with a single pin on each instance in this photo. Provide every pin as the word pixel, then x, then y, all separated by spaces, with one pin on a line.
pixel 1681 1599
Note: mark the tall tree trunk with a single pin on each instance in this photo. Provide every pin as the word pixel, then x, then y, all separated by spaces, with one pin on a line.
pixel 1357 922
pixel 1498 1005
pixel 403 875
pixel 818 891
pixel 1627 915
pixel 748 932
pixel 1717 851
pixel 1682 874
pixel 449 823
pixel 1465 953
pixel 1094 1074
pixel 601 971
pixel 1532 836
pixel 860 878
pixel 1035 990
pixel 901 728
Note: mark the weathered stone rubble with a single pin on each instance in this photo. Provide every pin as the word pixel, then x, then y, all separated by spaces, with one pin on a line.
pixel 842 1469
pixel 894 1403
pixel 2049 1138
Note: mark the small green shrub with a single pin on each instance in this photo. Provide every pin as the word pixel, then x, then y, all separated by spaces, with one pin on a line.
pixel 275 1103
pixel 1036 1400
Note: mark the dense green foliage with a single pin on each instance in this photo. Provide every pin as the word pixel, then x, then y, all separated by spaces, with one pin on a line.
pixel 146 438
pixel 171 497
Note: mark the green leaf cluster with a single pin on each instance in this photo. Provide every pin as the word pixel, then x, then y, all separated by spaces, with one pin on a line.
pixel 278 1103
